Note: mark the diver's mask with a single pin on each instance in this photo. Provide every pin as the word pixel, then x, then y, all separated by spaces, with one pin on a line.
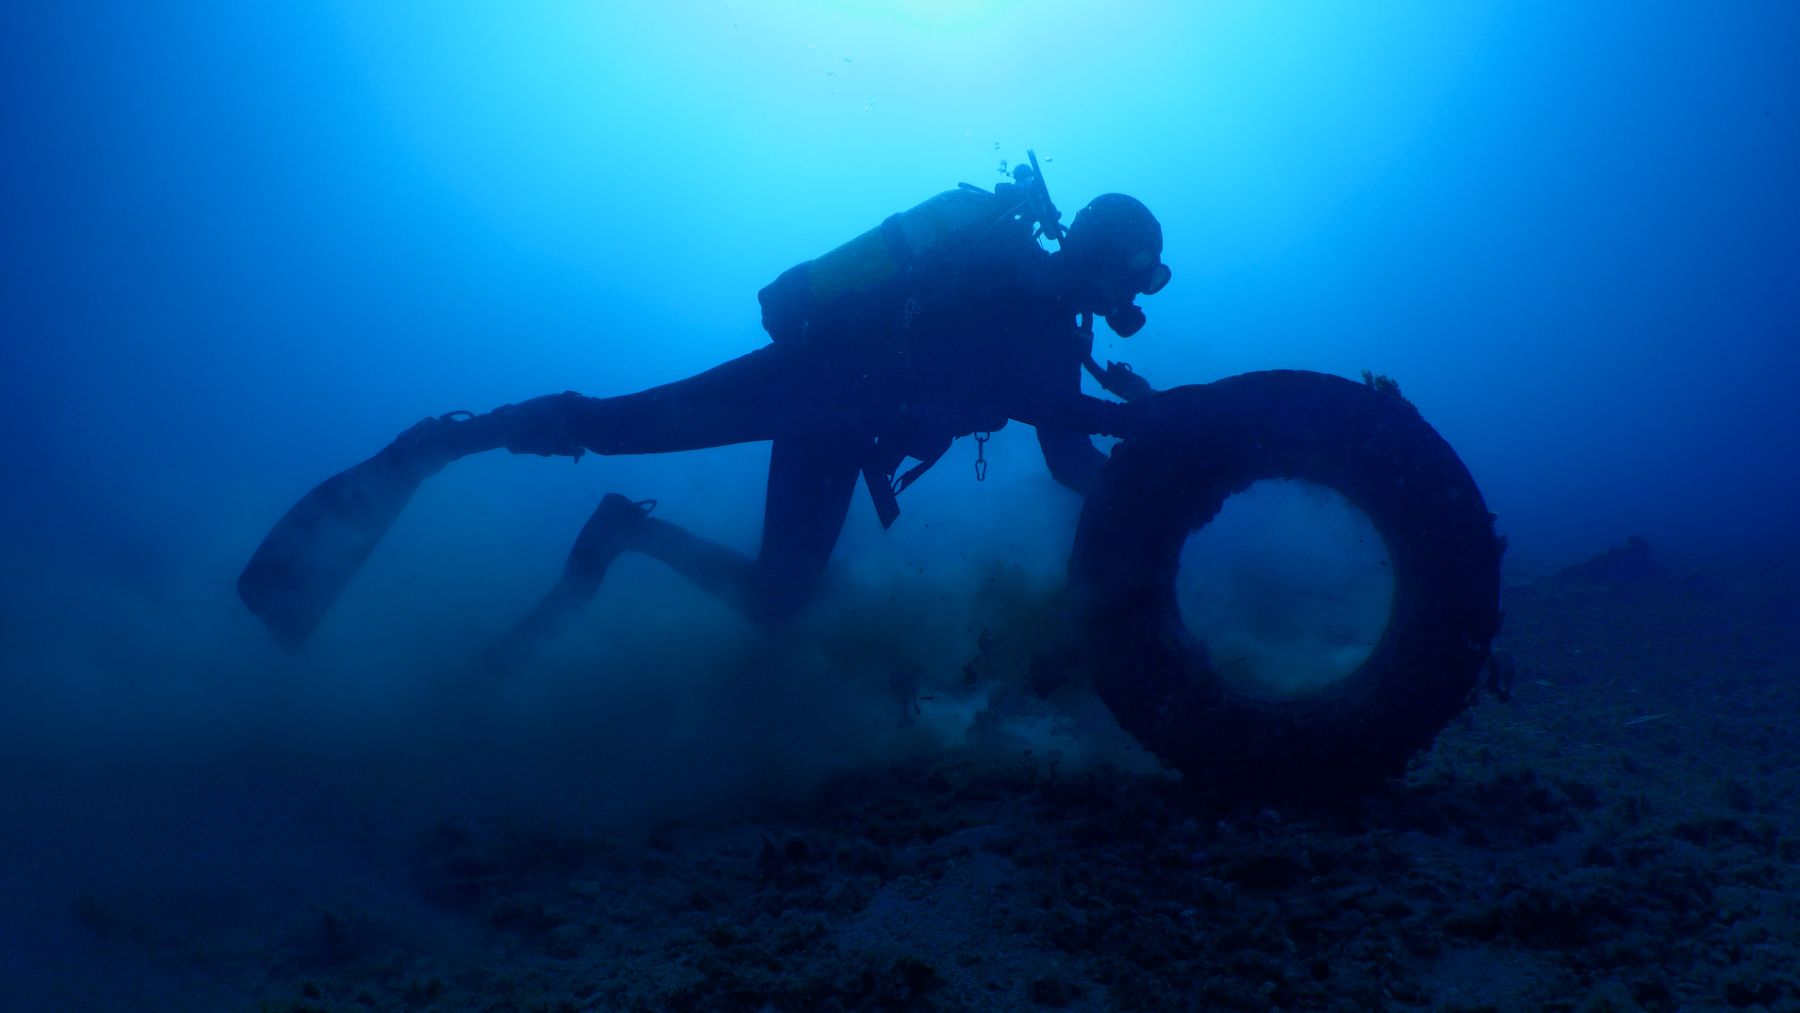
pixel 1148 276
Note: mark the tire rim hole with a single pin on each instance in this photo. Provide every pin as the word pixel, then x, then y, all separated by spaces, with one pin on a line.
pixel 1290 587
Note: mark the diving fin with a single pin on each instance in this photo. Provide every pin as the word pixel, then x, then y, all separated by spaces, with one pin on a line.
pixel 320 543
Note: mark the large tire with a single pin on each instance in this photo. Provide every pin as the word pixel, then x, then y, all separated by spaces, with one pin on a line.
pixel 1204 443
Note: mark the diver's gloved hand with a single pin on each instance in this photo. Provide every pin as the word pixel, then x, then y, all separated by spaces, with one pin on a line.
pixel 545 426
pixel 1140 417
pixel 1122 382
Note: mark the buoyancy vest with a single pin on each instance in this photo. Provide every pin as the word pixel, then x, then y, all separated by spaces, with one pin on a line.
pixel 859 299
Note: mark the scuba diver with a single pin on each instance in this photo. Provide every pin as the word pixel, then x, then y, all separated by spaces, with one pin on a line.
pixel 946 320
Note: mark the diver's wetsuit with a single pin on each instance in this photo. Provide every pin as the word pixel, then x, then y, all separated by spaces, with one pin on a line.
pixel 978 336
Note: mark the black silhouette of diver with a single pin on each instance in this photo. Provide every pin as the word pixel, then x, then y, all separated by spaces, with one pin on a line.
pixel 947 320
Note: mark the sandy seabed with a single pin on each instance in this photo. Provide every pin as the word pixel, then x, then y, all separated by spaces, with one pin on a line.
pixel 1618 829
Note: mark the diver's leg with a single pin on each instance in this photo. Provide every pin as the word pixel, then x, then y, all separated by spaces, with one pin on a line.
pixel 773 391
pixel 810 485
pixel 810 482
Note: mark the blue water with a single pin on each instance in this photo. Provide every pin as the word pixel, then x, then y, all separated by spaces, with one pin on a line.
pixel 246 244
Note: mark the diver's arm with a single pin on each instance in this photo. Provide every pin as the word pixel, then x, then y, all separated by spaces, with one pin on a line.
pixel 1073 459
pixel 1060 413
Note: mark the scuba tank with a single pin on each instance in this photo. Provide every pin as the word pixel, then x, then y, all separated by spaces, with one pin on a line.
pixel 866 266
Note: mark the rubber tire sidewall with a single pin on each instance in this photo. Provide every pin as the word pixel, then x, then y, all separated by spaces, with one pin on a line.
pixel 1203 444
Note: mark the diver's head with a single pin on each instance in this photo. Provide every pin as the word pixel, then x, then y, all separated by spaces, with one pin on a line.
pixel 1114 251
